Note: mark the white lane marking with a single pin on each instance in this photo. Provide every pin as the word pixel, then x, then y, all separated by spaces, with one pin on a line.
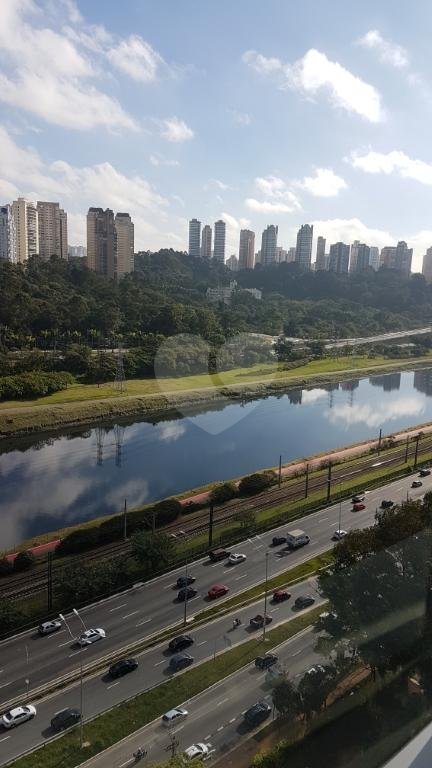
pixel 123 764
pixel 4 738
pixel 203 642
pixel 220 728
pixel 122 605
pixel 80 651
pixel 222 702
pixel 158 663
pixel 232 720
pixel 324 518
pixel 68 642
pixel 241 577
pixel 296 653
pixel 113 684
pixel 144 621
pixel 215 565
pixel 5 684
pixel 178 729
pixel 206 738
pixel 274 610
pixel 168 586
pixel 127 615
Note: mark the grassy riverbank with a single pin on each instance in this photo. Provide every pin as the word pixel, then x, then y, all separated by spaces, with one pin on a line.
pixel 86 403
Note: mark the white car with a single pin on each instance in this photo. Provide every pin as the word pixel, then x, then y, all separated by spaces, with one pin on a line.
pixel 18 715
pixel 196 751
pixel 338 535
pixel 175 715
pixel 236 557
pixel 48 627
pixel 91 636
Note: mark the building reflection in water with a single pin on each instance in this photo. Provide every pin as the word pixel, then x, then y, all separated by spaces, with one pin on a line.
pixel 388 381
pixel 423 382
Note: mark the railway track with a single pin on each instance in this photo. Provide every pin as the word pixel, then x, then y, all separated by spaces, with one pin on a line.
pixel 25 586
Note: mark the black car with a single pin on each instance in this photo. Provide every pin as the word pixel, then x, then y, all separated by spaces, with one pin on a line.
pixel 180 661
pixel 122 667
pixel 186 593
pixel 304 601
pixel 267 661
pixel 180 643
pixel 424 472
pixel 65 719
pixel 386 504
pixel 184 581
pixel 258 713
pixel 277 540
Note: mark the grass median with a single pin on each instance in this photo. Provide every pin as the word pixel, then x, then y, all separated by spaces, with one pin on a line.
pixel 124 719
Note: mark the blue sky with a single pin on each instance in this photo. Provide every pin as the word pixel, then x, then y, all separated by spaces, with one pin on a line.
pixel 256 111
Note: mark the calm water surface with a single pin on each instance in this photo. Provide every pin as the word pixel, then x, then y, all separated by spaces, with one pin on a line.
pixel 50 483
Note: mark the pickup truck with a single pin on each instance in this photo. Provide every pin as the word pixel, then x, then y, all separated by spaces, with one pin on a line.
pixel 296 539
pixel 218 554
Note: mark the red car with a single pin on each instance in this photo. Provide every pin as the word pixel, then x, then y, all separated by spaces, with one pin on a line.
pixel 358 507
pixel 217 591
pixel 258 621
pixel 280 595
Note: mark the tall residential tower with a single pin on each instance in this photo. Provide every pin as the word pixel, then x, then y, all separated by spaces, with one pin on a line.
pixel 304 246
pixel 194 238
pixel 269 245
pixel 206 242
pixel 246 249
pixel 52 230
pixel 101 242
pixel 125 243
pixel 219 241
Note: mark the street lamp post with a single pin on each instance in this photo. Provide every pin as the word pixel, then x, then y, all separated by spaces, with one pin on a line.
pixel 265 596
pixel 340 507
pixel 186 595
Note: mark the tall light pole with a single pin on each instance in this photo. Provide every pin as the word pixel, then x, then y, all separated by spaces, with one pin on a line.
pixel 186 595
pixel 62 618
pixel 340 507
pixel 265 596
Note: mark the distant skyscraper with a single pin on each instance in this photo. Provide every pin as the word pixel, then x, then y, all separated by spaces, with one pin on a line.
pixel 321 261
pixel 269 245
pixel 246 249
pixel 52 230
pixel 374 259
pixel 387 256
pixel 101 242
pixel 304 246
pixel 219 241
pixel 27 228
pixel 291 254
pixel 77 252
pixel 363 254
pixel 427 265
pixel 339 258
pixel 194 238
pixel 232 263
pixel 8 246
pixel 403 258
pixel 353 256
pixel 125 244
pixel 206 242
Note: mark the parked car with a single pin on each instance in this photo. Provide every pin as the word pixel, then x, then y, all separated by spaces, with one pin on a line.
pixel 184 581
pixel 91 636
pixel 217 591
pixel 358 506
pixel 48 627
pixel 304 601
pixel 281 595
pixel 424 472
pixel 218 554
pixel 180 642
pixel 338 535
pixel 416 484
pixel 186 593
pixel 180 661
pixel 236 557
pixel 199 750
pixel 278 540
pixel 123 667
pixel 258 713
pixel 175 715
pixel 358 497
pixel 387 503
pixel 18 715
pixel 258 621
pixel 267 661
pixel 65 719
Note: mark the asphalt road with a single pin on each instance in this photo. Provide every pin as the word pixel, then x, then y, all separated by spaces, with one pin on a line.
pixel 214 715
pixel 147 609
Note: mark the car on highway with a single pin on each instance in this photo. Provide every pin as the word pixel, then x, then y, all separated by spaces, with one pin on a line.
pixel 123 667
pixel 186 593
pixel 236 557
pixel 416 484
pixel 387 503
pixel 196 751
pixel 216 555
pixel 48 627
pixel 218 590
pixel 278 540
pixel 267 661
pixel 180 661
pixel 339 534
pixel 360 496
pixel 180 642
pixel 358 506
pixel 259 620
pixel 424 472
pixel 280 596
pixel 184 581
pixel 304 601
pixel 65 719
pixel 91 636
pixel 18 715
pixel 257 713
pixel 175 715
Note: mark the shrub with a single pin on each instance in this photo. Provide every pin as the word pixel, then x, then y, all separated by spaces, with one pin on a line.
pixel 78 541
pixel 256 483
pixel 167 511
pixel 6 567
pixel 33 384
pixel 24 561
pixel 223 492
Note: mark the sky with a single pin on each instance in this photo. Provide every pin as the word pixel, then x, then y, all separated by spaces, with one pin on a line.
pixel 255 111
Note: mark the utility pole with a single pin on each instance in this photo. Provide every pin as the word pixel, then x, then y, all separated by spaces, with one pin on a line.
pixel 211 514
pixel 329 481
pixel 379 442
pixel 406 449
pixel 416 449
pixel 81 707
pixel 172 746
pixel 185 598
pixel 280 471
pixel 265 596
pixel 125 520
pixel 307 481
pixel 120 378
pixel 49 582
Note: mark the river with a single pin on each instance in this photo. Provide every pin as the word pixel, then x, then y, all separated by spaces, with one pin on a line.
pixel 49 483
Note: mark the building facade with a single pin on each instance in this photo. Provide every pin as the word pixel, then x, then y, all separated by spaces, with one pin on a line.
pixel 194 238
pixel 304 246
pixel 387 256
pixel 102 242
pixel 247 249
pixel 339 258
pixel 269 245
pixel 206 242
pixel 321 261
pixel 363 255
pixel 403 258
pixel 374 258
pixel 125 244
pixel 52 222
pixel 219 241
pixel 232 263
pixel 77 252
pixel 26 227
pixel 8 245
pixel 427 265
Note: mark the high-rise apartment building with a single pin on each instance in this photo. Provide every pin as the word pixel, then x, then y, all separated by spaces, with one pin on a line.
pixel 194 238
pixel 339 258
pixel 219 241
pixel 101 242
pixel 125 244
pixel 363 255
pixel 8 249
pixel 291 254
pixel 374 259
pixel 52 222
pixel 232 263
pixel 269 245
pixel 27 228
pixel 353 256
pixel 77 252
pixel 321 261
pixel 247 249
pixel 304 246
pixel 206 242
pixel 427 265
pixel 403 258
pixel 387 256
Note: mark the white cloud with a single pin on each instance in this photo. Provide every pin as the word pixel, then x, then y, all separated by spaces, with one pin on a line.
pixel 374 416
pixel 393 162
pixel 137 58
pixel 241 118
pixel 176 130
pixel 325 183
pixel 157 159
pixel 315 72
pixel 219 184
pixel 281 198
pixel 266 206
pixel 234 223
pixel 388 52
pixel 348 230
